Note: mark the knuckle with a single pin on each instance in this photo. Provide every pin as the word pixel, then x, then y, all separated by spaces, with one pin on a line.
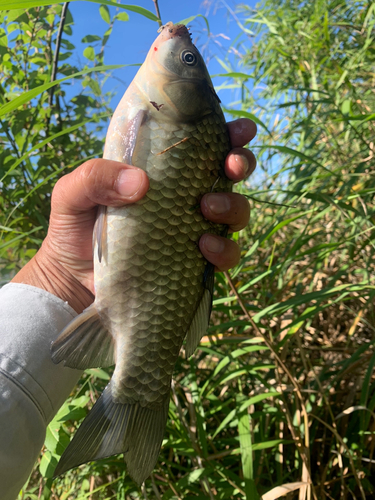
pixel 56 192
pixel 95 181
pixel 60 188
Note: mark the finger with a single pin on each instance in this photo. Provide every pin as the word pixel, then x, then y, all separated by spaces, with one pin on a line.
pixel 99 182
pixel 221 252
pixel 239 164
pixel 241 131
pixel 232 209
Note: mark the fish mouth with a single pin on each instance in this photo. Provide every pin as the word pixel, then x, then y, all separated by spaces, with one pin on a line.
pixel 171 30
pixel 182 80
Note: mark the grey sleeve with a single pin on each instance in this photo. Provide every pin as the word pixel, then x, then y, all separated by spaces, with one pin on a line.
pixel 32 387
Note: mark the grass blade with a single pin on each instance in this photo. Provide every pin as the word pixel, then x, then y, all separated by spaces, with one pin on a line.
pixel 27 4
pixel 31 94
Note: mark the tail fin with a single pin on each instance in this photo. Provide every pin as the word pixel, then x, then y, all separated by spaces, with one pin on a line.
pixel 112 428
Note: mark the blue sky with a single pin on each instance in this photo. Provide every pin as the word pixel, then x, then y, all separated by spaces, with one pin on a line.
pixel 130 41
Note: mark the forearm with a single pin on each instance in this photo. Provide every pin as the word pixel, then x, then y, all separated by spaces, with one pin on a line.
pixel 32 387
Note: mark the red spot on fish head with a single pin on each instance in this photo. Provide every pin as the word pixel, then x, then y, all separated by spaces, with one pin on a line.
pixel 155 48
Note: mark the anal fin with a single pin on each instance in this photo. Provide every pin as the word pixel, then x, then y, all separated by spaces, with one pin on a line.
pixel 84 343
pixel 199 324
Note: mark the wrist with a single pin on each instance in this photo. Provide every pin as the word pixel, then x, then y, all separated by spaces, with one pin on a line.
pixel 50 275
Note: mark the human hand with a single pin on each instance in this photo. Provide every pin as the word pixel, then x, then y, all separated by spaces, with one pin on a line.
pixel 64 266
pixel 230 208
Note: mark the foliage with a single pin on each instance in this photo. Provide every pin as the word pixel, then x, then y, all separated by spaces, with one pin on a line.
pixel 308 277
pixel 281 392
pixel 49 133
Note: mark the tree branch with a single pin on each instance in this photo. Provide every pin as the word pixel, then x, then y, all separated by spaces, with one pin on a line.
pixel 157 11
pixel 57 51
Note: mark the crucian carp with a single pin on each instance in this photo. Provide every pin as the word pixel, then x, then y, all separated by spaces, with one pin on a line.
pixel 153 287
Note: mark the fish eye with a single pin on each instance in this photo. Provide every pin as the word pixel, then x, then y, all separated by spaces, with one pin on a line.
pixel 188 58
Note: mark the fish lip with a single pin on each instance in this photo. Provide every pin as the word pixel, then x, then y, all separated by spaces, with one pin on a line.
pixel 174 30
pixel 184 80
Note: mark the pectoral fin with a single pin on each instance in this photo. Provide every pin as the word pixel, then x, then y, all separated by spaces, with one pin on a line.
pixel 130 136
pixel 123 152
pixel 100 232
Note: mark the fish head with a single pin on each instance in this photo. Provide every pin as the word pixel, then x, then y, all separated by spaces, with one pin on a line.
pixel 174 76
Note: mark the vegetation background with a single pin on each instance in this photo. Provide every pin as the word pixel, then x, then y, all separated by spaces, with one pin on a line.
pixel 280 397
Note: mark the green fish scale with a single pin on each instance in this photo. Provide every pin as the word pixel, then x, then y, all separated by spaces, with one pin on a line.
pixel 150 282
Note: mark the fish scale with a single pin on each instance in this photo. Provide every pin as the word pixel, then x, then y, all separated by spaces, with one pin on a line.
pixel 153 287
pixel 143 255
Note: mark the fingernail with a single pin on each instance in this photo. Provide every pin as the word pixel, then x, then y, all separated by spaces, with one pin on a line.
pixel 213 244
pixel 218 203
pixel 243 163
pixel 129 181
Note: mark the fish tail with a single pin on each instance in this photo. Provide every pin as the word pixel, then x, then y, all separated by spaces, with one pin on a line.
pixel 111 428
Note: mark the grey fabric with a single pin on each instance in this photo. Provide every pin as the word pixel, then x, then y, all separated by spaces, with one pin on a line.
pixel 32 387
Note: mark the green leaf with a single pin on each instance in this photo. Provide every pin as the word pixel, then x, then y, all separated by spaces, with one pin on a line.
pixel 365 393
pixel 298 154
pixel 27 4
pixel 242 76
pixel 346 107
pixel 52 437
pixel 270 444
pixel 122 16
pixel 99 373
pixel 105 15
pixel 89 53
pixel 237 353
pixel 246 114
pixel 28 96
pixel 191 18
pixel 190 478
pixel 323 294
pixel 282 224
pixel 48 464
pixel 91 38
pixel 13 15
pixel 224 423
pixel 71 410
pixel 51 138
pixel 362 118
pixel 244 434
pixel 21 236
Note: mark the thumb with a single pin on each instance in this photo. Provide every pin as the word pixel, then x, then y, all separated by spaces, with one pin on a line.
pixel 99 182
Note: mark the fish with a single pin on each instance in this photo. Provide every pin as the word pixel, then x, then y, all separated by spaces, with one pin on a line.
pixel 153 287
